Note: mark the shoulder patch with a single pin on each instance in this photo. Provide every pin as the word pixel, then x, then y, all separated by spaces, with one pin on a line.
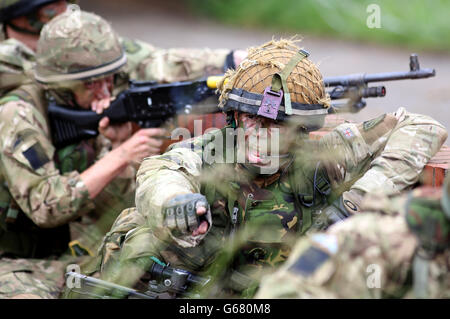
pixel 309 261
pixel 367 125
pixel 36 156
pixel 348 133
pixel 130 46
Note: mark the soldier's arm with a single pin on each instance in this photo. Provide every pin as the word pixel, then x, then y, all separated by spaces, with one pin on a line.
pixel 386 154
pixel 367 256
pixel 26 161
pixel 148 63
pixel 109 251
pixel 161 178
pixel 48 197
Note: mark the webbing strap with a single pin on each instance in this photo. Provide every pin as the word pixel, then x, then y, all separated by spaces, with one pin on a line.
pixel 279 79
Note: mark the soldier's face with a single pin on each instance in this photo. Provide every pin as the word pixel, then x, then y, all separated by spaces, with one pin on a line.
pixel 43 15
pixel 95 94
pixel 261 135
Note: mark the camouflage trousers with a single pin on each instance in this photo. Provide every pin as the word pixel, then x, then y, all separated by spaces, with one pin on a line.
pixel 31 278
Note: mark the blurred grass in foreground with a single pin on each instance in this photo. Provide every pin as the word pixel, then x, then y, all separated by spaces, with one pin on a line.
pixel 413 23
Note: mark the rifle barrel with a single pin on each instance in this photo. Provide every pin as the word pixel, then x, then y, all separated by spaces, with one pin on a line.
pixel 363 78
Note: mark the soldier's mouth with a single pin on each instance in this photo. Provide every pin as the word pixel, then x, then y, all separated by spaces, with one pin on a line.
pixel 255 157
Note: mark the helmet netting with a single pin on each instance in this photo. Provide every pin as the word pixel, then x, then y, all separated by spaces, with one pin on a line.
pixel 254 74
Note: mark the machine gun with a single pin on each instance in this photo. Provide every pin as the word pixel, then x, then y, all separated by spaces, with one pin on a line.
pixel 146 103
pixel 165 282
pixel 354 86
pixel 150 104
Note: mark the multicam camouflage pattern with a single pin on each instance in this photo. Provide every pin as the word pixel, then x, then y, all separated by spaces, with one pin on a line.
pixel 50 191
pixel 80 59
pixel 370 255
pixel 366 160
pixel 144 61
pixel 110 248
pixel 16 64
pixel 31 278
pixel 48 198
pixel 77 45
pixel 150 63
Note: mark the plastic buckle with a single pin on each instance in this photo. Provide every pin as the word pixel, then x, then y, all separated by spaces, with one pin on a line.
pixel 270 103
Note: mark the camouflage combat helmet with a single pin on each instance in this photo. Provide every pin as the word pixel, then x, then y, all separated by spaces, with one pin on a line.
pixel 11 9
pixel 77 45
pixel 278 81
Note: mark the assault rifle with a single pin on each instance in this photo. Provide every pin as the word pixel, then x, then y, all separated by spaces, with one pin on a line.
pixel 165 282
pixel 150 104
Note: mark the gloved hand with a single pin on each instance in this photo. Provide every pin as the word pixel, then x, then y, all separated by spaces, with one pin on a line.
pixel 187 214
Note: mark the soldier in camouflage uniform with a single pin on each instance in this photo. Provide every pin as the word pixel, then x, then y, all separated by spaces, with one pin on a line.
pixel 50 196
pixel 21 22
pixel 399 249
pixel 258 207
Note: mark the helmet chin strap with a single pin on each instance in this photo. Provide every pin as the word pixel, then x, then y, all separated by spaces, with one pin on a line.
pixel 36 31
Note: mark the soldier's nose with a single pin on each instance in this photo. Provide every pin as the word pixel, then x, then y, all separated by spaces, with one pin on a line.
pixel 102 90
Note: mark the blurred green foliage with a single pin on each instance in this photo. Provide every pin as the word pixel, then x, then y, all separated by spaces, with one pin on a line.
pixel 415 23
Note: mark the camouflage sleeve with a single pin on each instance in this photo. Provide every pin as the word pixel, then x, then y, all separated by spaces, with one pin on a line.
pixel 124 183
pixel 109 251
pixel 26 162
pixel 366 256
pixel 162 177
pixel 16 64
pixel 149 63
pixel 385 154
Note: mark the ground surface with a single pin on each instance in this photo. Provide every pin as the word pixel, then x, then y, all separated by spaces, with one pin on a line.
pixel 167 24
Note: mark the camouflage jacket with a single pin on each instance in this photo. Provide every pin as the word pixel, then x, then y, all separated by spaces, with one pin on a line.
pixel 16 64
pixel 50 192
pixel 375 255
pixel 387 153
pixel 42 190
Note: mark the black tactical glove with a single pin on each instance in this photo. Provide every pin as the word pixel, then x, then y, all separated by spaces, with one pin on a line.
pixel 180 212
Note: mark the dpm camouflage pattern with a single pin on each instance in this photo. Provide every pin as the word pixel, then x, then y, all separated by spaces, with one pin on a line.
pixel 371 155
pixel 371 255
